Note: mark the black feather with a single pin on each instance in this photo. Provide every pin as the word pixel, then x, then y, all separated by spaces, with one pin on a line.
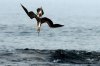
pixel 30 14
pixel 50 23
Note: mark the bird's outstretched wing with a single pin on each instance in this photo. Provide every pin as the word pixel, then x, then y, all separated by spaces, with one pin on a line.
pixel 50 23
pixel 30 14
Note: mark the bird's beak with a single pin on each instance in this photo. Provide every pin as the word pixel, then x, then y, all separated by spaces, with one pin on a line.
pixel 38 29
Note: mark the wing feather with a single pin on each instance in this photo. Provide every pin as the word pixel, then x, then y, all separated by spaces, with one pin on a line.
pixel 50 23
pixel 30 14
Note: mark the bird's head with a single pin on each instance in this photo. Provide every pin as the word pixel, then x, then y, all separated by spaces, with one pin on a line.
pixel 40 12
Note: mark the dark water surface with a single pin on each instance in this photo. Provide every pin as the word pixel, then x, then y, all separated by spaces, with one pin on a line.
pixel 36 57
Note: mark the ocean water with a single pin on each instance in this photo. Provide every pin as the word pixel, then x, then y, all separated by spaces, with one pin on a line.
pixel 81 20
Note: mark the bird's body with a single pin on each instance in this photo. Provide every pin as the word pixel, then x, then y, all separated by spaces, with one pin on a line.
pixel 40 20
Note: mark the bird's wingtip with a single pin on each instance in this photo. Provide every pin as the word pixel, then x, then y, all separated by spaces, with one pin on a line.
pixel 61 25
pixel 21 4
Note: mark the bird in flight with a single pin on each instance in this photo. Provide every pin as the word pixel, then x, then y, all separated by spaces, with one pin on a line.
pixel 40 20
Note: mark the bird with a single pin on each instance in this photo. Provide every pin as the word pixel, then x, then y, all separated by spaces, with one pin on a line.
pixel 40 20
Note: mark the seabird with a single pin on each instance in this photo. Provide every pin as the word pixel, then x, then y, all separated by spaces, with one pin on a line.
pixel 41 20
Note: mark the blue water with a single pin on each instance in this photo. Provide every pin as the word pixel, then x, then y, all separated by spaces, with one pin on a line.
pixel 81 20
